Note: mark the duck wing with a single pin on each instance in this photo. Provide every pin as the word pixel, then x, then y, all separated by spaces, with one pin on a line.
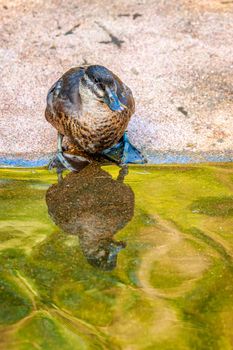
pixel 63 97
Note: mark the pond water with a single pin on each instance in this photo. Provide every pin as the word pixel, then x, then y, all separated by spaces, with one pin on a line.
pixel 106 260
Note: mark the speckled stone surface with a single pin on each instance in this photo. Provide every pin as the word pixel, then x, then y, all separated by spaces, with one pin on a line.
pixel 176 56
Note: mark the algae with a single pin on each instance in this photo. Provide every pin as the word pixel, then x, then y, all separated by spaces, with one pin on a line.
pixel 168 231
pixel 214 206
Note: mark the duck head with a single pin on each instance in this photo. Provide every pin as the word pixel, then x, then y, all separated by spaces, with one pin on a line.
pixel 102 84
pixel 104 254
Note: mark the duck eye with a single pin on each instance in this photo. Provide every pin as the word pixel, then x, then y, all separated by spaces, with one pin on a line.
pixel 96 80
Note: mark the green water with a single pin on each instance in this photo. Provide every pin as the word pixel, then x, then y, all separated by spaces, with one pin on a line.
pixel 103 261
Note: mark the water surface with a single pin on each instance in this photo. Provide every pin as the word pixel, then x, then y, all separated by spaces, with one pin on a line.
pixel 105 260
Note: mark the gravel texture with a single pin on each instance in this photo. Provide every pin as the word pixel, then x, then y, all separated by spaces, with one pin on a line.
pixel 176 56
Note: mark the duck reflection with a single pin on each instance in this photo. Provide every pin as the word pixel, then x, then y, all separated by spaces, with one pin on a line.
pixel 94 206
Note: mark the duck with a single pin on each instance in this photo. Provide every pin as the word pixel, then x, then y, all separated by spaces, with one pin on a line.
pixel 92 107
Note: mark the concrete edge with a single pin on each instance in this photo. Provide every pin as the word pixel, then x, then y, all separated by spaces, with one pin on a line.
pixel 168 157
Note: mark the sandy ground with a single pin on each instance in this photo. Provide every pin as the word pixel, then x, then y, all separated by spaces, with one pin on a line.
pixel 176 56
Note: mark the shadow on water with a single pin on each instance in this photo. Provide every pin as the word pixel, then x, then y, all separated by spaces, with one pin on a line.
pixel 93 206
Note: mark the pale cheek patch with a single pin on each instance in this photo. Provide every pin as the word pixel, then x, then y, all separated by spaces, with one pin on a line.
pixel 99 92
pixel 94 87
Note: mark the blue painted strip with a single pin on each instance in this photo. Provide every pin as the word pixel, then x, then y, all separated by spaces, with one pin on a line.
pixel 23 163
pixel 159 158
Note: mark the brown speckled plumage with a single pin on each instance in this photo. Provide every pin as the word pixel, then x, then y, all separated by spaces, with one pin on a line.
pixel 75 110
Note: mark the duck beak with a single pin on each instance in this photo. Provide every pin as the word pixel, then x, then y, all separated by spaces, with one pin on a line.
pixel 113 101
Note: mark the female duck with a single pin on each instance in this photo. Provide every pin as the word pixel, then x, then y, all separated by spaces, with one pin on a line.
pixel 92 107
